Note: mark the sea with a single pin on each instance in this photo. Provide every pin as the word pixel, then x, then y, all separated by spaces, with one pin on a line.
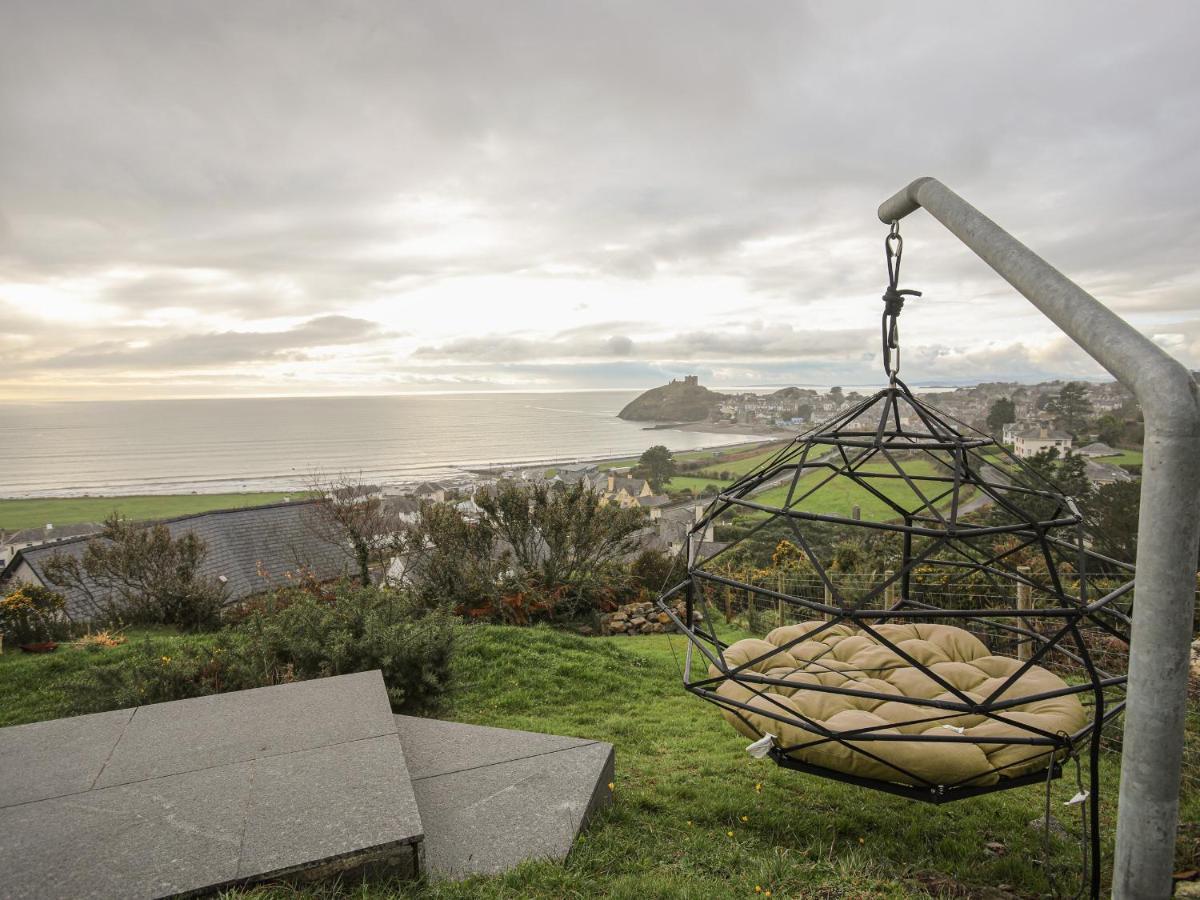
pixel 282 444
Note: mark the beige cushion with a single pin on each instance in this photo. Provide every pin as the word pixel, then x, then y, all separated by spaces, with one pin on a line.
pixel 843 656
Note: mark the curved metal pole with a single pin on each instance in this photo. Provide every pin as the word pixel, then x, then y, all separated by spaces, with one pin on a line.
pixel 1148 808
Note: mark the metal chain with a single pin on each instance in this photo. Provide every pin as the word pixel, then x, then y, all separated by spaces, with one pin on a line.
pixel 893 302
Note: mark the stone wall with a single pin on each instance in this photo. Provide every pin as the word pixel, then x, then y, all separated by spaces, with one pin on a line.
pixel 642 618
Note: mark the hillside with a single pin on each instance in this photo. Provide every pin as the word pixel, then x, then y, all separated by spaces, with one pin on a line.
pixel 679 401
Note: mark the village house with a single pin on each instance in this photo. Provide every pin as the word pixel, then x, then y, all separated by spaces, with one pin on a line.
pixel 1034 440
pixel 47 534
pixel 250 550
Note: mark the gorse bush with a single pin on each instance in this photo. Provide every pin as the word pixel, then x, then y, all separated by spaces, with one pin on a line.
pixel 304 636
pixel 410 642
pixel 31 613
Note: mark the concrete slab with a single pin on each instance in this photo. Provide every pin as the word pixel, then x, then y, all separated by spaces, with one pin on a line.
pixel 434 747
pixel 165 738
pixel 308 777
pixel 143 840
pixel 63 756
pixel 328 804
pixel 483 814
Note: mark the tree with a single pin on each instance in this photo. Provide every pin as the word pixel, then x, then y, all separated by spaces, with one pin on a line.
pixel 1071 406
pixel 658 466
pixel 1112 519
pixel 560 543
pixel 141 573
pixel 1003 412
pixel 835 394
pixel 351 516
pixel 1109 429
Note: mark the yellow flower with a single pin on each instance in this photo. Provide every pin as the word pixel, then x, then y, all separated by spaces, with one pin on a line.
pixel 689 821
pixel 165 660
pixel 758 788
pixel 745 818
pixel 862 840
pixel 729 833
pixel 758 889
pixel 611 785
pixel 766 893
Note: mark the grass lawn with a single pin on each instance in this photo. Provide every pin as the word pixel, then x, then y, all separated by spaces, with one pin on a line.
pixel 739 467
pixel 17 514
pixel 693 815
pixel 841 495
pixel 1124 458
pixel 687 456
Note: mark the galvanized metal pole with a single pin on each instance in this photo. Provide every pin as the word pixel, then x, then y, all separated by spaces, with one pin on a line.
pixel 1148 806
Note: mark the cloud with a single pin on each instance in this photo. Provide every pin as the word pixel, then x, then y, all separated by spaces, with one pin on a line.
pixel 218 348
pixel 364 159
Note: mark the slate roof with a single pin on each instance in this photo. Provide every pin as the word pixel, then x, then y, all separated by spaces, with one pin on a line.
pixel 1043 434
pixel 57 533
pixel 654 500
pixel 275 539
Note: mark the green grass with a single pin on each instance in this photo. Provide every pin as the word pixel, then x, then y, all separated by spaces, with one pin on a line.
pixel 17 514
pixel 35 686
pixel 687 456
pixel 683 783
pixel 1124 458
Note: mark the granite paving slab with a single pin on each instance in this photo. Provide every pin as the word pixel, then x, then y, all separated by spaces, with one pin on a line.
pixel 62 756
pixel 484 813
pixel 193 796
pixel 434 747
pixel 164 738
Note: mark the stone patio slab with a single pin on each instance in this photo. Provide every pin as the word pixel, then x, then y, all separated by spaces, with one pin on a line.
pixel 165 738
pixel 307 777
pixel 327 804
pixel 148 839
pixel 434 747
pixel 484 814
pixel 62 756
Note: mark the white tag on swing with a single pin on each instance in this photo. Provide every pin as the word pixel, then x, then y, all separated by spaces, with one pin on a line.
pixel 760 748
pixel 956 729
pixel 1077 799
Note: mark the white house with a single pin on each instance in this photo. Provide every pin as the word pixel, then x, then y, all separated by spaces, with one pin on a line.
pixel 1035 440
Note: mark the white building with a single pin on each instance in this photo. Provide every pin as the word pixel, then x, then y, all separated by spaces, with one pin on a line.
pixel 1035 440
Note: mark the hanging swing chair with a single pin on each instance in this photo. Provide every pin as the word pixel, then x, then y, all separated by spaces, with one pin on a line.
pixel 988 652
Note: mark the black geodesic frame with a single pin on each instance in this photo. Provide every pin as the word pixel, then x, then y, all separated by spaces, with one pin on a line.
pixel 1039 517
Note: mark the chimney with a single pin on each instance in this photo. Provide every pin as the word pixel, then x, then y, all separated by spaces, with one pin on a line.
pixel 612 482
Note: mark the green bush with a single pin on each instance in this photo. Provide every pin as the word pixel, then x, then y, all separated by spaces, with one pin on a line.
pixel 302 636
pixel 31 613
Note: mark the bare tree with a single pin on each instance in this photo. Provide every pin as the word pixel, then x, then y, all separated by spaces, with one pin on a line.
pixel 142 573
pixel 350 515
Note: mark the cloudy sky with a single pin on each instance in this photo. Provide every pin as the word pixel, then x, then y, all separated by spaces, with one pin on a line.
pixel 252 198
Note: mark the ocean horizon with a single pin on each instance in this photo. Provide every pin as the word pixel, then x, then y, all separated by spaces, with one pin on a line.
pixel 109 448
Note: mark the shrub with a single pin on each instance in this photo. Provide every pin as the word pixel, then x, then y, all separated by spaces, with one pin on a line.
pixel 31 613
pixel 361 629
pixel 142 574
pixel 307 637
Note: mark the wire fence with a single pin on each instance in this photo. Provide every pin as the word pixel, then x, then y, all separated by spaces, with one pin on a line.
pixel 782 598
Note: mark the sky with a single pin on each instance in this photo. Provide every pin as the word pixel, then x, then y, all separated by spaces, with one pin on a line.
pixel 257 198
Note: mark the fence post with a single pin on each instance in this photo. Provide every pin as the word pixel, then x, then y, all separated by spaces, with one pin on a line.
pixel 889 592
pixel 728 606
pixel 828 601
pixel 1024 601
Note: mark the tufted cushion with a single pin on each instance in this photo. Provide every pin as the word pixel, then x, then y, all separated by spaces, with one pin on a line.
pixel 804 655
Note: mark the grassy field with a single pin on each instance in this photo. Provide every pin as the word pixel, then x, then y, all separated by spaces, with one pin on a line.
pixel 687 456
pixel 693 815
pixel 839 496
pixel 1124 458
pixel 17 514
